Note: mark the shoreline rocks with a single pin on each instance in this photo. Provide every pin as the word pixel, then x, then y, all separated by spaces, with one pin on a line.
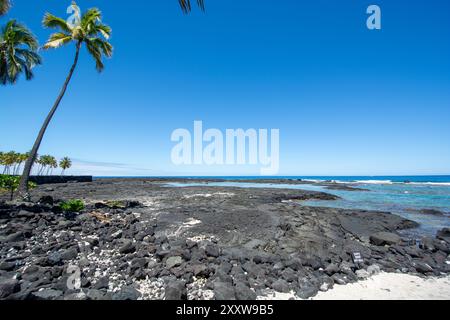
pixel 197 243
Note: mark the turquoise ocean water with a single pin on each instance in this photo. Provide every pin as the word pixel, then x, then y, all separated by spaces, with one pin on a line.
pixel 405 196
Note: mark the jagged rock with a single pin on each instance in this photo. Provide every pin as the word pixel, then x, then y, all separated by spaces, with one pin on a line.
pixel 423 267
pixel 47 294
pixel 7 266
pixel 374 269
pixel 444 234
pixel 138 263
pixel 102 283
pixel 243 292
pixel 127 247
pixel 313 262
pixel 307 289
pixel 15 237
pixel 362 274
pixel 174 262
pixel 339 278
pixel 295 264
pixel 78 296
pixel 69 254
pixel 331 269
pixel 8 287
pixel 126 293
pixel 281 286
pixel 224 291
pixel 94 294
pixel 427 244
pixel 212 250
pixel 384 238
pixel 289 275
pixel 175 290
pixel 200 270
pixel 48 200
pixel 413 252
pixel 54 258
pixel 327 284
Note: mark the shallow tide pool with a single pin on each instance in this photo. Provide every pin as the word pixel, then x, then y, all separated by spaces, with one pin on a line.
pixel 406 200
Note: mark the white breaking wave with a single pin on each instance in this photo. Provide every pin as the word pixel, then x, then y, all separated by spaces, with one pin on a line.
pixel 390 182
pixel 431 183
pixel 359 181
pixel 374 181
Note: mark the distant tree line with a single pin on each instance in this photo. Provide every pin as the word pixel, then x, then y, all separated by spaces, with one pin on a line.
pixel 12 163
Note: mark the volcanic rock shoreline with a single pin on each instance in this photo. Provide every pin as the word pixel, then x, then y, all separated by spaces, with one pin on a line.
pixel 141 239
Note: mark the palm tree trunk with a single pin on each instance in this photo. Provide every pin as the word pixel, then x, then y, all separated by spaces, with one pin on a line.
pixel 23 186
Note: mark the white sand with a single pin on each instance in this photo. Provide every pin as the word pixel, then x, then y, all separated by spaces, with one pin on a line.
pixel 391 286
pixel 384 286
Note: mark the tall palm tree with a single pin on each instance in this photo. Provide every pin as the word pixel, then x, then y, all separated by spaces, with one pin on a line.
pixel 186 5
pixel 89 31
pixel 5 5
pixel 65 164
pixel 18 52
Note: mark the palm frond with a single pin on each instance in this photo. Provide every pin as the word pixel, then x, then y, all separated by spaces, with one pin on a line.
pixel 90 17
pixel 54 22
pixel 17 53
pixel 186 5
pixel 105 47
pixel 103 29
pixel 19 34
pixel 96 52
pixel 90 30
pixel 13 67
pixel 5 5
pixel 32 58
pixel 56 40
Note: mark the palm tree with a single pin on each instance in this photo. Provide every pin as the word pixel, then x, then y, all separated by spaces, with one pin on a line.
pixel 52 164
pixel 89 31
pixel 42 161
pixel 18 52
pixel 65 164
pixel 186 5
pixel 5 5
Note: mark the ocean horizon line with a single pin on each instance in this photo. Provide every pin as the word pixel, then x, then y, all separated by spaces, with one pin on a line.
pixel 423 179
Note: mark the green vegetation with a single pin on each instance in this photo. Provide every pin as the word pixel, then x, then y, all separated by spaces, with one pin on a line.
pixel 47 163
pixel 11 183
pixel 18 50
pixel 65 164
pixel 12 163
pixel 74 205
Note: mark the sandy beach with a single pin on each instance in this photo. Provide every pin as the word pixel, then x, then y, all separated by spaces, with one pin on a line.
pixel 391 286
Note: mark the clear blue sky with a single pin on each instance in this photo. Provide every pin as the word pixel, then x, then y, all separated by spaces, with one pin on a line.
pixel 347 101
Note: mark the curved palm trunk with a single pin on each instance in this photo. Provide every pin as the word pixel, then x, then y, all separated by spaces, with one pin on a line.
pixel 23 187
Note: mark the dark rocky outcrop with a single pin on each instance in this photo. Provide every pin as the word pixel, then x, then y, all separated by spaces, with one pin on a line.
pixel 197 243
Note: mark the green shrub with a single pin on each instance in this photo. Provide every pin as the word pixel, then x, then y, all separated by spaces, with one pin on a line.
pixel 75 205
pixel 11 183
